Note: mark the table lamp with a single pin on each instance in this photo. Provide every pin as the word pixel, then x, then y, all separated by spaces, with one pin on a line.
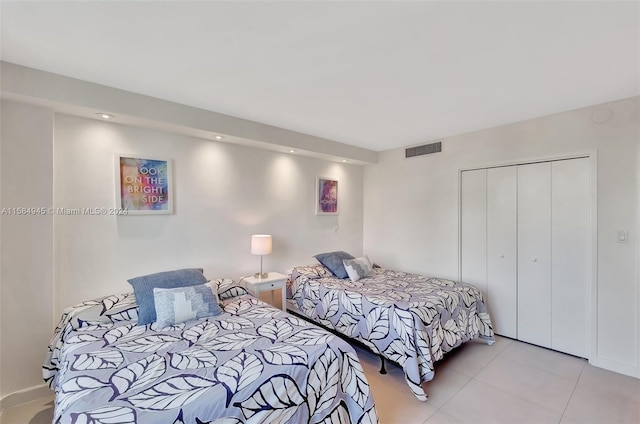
pixel 261 245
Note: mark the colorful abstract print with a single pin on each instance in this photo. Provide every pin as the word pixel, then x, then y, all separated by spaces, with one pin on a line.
pixel 251 364
pixel 144 184
pixel 410 319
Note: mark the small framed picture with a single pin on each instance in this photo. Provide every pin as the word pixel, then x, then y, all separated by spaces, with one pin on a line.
pixel 326 196
pixel 143 185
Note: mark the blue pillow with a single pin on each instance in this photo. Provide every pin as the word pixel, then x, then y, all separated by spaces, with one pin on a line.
pixel 182 304
pixel 143 288
pixel 333 262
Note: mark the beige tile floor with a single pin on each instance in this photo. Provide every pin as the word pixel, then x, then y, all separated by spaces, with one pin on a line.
pixel 509 382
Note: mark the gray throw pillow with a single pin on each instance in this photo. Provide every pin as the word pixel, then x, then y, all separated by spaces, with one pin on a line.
pixel 143 288
pixel 333 262
pixel 358 268
pixel 182 304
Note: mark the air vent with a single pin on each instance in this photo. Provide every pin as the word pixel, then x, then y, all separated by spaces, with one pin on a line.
pixel 423 150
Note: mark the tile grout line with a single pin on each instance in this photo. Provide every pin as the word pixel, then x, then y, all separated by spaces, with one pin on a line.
pixel 471 378
pixel 511 394
pixel 516 396
pixel 540 369
pixel 546 349
pixel 572 393
pixel 439 409
pixel 488 363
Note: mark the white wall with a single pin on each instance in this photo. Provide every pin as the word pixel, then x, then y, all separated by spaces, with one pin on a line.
pixel 411 207
pixel 224 194
pixel 26 253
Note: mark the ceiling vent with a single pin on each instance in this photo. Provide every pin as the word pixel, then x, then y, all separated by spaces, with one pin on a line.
pixel 426 149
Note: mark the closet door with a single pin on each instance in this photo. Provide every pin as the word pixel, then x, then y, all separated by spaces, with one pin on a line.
pixel 501 249
pixel 473 222
pixel 534 253
pixel 571 255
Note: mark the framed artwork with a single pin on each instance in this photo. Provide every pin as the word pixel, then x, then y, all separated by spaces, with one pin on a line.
pixel 143 185
pixel 326 196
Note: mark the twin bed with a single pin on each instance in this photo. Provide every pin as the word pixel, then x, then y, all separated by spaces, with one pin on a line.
pixel 252 363
pixel 409 319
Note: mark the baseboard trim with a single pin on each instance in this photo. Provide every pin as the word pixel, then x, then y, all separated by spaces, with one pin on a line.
pixel 24 396
pixel 615 366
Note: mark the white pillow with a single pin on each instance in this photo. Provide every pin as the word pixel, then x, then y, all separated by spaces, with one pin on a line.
pixel 358 268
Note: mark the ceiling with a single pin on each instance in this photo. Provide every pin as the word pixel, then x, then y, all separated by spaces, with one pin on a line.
pixel 377 75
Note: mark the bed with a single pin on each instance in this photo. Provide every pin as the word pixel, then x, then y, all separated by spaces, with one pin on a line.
pixel 410 319
pixel 252 363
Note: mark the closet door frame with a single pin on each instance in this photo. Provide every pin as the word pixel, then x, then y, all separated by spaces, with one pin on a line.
pixel 592 291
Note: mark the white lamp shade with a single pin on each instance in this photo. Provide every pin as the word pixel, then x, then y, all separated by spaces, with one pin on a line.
pixel 260 244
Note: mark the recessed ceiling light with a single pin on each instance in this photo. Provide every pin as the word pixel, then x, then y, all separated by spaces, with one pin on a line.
pixel 291 151
pixel 344 160
pixel 219 137
pixel 105 115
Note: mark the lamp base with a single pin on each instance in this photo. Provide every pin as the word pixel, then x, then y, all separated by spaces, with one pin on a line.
pixel 261 276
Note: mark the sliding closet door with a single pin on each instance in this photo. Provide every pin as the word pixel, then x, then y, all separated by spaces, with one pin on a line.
pixel 534 253
pixel 571 247
pixel 501 249
pixel 473 207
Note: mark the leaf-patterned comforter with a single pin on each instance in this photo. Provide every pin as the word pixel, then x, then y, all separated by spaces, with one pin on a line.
pixel 407 318
pixel 251 364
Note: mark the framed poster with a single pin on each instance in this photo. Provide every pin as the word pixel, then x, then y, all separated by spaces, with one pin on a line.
pixel 326 196
pixel 143 185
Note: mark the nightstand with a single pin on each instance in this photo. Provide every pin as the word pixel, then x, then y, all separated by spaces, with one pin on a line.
pixel 273 282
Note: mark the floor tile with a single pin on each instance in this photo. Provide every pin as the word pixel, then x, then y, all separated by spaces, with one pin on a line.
pixel 593 404
pixel 545 359
pixel 535 385
pixel 568 420
pixel 471 357
pixel 396 403
pixel 394 399
pixel 444 385
pixel 39 411
pixel 478 402
pixel 441 418
pixel 622 385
